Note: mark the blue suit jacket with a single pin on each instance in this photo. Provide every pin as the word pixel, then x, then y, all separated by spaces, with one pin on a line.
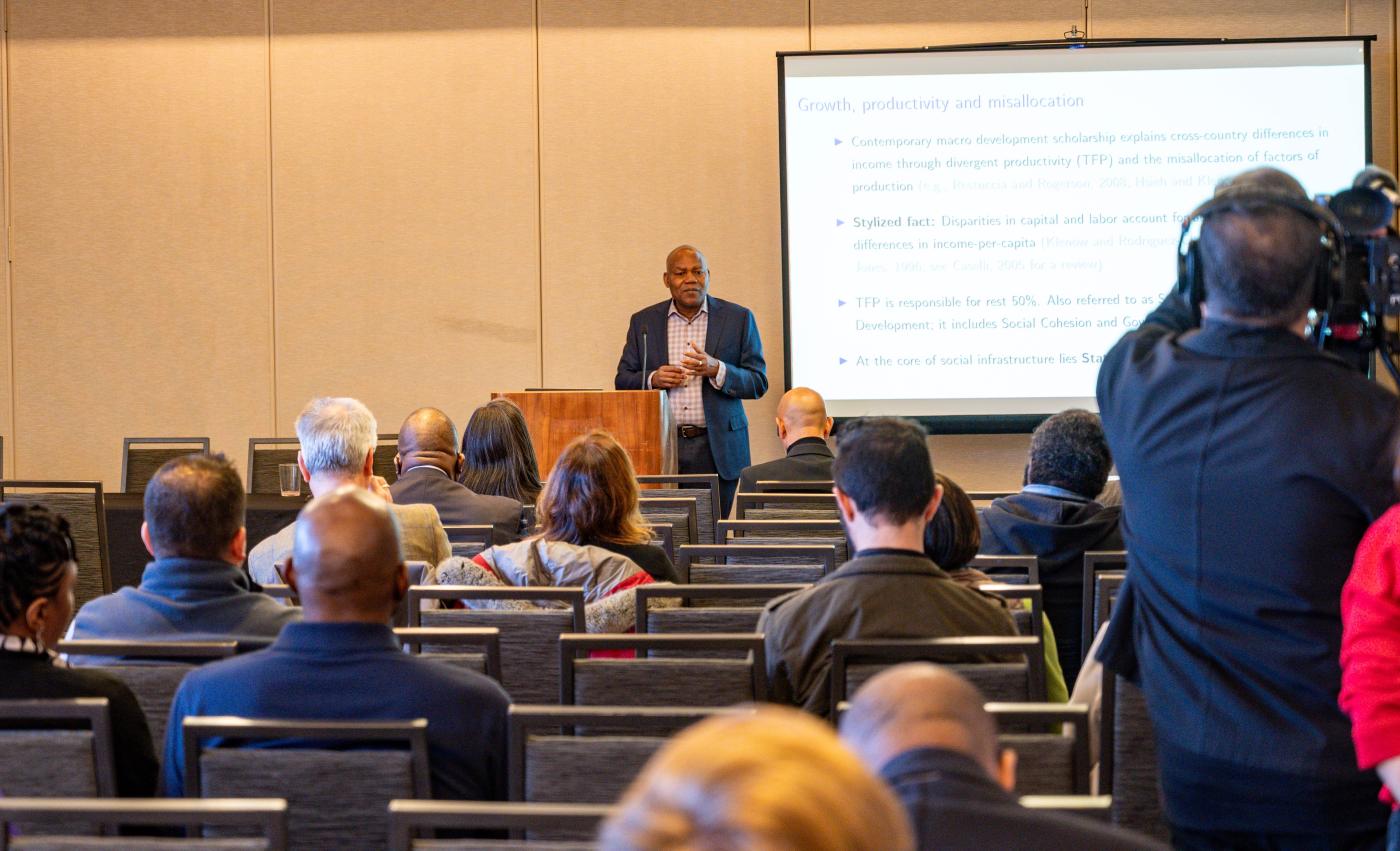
pixel 732 337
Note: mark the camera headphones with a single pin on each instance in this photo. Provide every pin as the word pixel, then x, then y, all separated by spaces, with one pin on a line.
pixel 1247 193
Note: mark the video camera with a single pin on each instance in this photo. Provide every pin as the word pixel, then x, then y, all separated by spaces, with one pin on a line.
pixel 1365 304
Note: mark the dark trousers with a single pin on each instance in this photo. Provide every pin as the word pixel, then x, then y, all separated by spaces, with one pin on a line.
pixel 1228 840
pixel 693 456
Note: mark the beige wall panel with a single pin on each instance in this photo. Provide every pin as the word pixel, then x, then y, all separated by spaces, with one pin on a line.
pixel 140 213
pixel 7 393
pixel 659 125
pixel 1377 17
pixel 405 187
pixel 862 24
pixel 1212 19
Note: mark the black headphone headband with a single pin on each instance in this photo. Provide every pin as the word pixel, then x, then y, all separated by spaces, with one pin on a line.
pixel 1190 279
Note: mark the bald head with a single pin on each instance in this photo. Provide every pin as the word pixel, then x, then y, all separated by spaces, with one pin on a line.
pixel 428 436
pixel 346 563
pixel 802 413
pixel 678 253
pixel 920 705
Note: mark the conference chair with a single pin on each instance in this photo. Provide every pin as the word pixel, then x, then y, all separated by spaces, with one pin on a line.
pixel 337 798
pixel 266 454
pixel 988 496
pixel 1107 584
pixel 794 486
pixel 1028 611
pixel 829 531
pixel 153 670
pixel 854 661
pixel 1051 741
pixel 679 512
pixel 476 649
pixel 74 761
pixel 23 816
pixel 529 637
pixel 663 535
pixel 1096 561
pixel 1128 768
pixel 755 564
pixel 1020 570
pixel 648 681
pixel 409 820
pixel 704 609
pixel 702 487
pixel 1096 807
pixel 468 541
pixel 143 456
pixel 552 760
pixel 82 504
pixel 288 595
pixel 785 506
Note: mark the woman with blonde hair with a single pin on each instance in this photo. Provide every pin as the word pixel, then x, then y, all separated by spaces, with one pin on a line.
pixel 775 780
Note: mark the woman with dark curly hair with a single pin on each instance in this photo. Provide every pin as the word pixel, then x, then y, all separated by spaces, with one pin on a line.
pixel 38 569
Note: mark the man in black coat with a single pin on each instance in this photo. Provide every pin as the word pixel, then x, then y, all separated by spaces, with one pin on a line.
pixel 1251 465
pixel 923 729
pixel 428 463
pixel 803 427
pixel 1056 518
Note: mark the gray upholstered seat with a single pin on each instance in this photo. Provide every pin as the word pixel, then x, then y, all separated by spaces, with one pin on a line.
pixel 467 541
pixel 755 564
pixel 701 487
pixel 792 532
pixel 704 609
pixel 854 661
pixel 643 681
pixel 1051 741
pixel 681 512
pixel 1095 562
pixel 337 799
pixel 82 504
pixel 476 649
pixel 268 816
pixel 62 763
pixel 407 818
pixel 1128 762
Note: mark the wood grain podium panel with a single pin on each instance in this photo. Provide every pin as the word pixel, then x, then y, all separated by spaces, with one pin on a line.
pixel 638 419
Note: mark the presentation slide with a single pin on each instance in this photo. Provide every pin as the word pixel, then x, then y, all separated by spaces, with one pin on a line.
pixel 968 232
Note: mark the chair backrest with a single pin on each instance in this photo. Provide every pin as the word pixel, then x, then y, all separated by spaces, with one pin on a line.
pixel 264 456
pixel 83 505
pixel 1096 561
pixel 680 512
pixel 793 486
pixel 853 661
pixel 664 536
pixel 1128 767
pixel 702 487
pixel 268 816
pixel 409 819
pixel 467 541
pixel 548 763
pixel 646 681
pixel 705 608
pixel 778 506
pixel 1107 584
pixel 1096 807
pixel 787 532
pixel 476 649
pixel 529 638
pixel 1029 618
pixel 1021 570
pixel 153 670
pixel 384 450
pixel 143 456
pixel 39 757
pixel 987 496
pixel 753 564
pixel 1051 741
pixel 337 796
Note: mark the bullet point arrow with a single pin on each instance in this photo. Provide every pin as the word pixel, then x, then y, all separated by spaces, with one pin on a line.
pixel 838 141
pixel 839 223
pixel 842 360
pixel 840 303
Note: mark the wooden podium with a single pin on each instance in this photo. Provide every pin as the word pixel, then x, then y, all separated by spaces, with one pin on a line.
pixel 639 419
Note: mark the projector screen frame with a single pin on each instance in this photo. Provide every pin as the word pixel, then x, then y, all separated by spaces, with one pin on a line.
pixel 1004 423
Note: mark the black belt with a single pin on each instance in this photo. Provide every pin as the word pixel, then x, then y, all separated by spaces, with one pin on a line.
pixel 691 430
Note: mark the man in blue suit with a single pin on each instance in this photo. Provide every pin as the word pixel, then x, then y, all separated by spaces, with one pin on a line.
pixel 706 354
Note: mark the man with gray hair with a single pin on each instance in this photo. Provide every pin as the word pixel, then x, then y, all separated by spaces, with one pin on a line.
pixel 1056 518
pixel 924 731
pixel 338 436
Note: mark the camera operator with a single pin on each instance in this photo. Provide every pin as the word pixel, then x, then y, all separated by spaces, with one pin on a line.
pixel 1251 465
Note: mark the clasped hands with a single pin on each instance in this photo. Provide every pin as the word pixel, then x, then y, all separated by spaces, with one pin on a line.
pixel 694 362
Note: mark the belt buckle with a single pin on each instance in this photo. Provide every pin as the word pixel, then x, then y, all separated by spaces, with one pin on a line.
pixel 689 431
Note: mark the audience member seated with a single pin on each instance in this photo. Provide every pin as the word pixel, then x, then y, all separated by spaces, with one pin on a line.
pixel 952 539
pixel 886 493
pixel 499 457
pixel 196 588
pixel 337 437
pixel 342 663
pixel 1056 519
pixel 924 730
pixel 591 536
pixel 803 427
pixel 38 569
pixel 428 464
pixel 774 780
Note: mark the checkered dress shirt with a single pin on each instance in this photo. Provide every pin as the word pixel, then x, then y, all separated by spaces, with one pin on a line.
pixel 686 403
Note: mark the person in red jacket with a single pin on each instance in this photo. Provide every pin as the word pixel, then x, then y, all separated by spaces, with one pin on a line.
pixel 1371 656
